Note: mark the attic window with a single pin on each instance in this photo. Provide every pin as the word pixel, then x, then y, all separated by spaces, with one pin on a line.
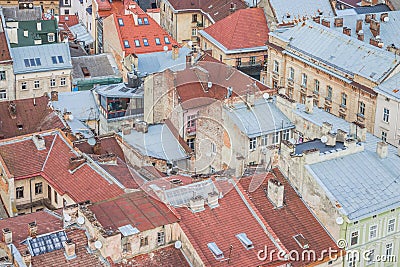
pixel 20 126
pixel 301 241
pixel 60 59
pixel 32 62
pixel 158 42
pixel 137 43
pixel 120 22
pixel 218 254
pixel 166 40
pixel 146 21
pixel 247 243
pixel 126 44
pixel 85 72
pixel 145 42
pixel 140 21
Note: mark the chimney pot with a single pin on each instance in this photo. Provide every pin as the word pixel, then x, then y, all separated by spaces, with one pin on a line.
pixel 142 127
pixel 326 23
pixel 338 22
pixel 359 25
pixel 32 229
pixel 212 200
pixel 317 19
pixel 347 31
pixel 175 52
pixel 54 96
pixel 331 139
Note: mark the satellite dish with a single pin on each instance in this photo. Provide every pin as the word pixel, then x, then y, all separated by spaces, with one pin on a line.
pixel 165 48
pixel 324 139
pixel 339 220
pixel 80 220
pixel 98 244
pixel 292 141
pixel 190 43
pixel 178 244
pixel 30 5
pixel 70 117
pixel 265 95
pixel 91 141
pixel 386 19
pixel 67 218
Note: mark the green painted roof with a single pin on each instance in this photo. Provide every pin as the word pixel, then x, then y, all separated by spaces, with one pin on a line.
pixel 48 26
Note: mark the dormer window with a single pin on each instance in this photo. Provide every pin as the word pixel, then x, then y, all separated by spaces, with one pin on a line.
pixel 145 42
pixel 120 22
pixel 126 44
pixel 158 42
pixel 137 43
pixel 50 37
pixel 146 21
pixel 140 21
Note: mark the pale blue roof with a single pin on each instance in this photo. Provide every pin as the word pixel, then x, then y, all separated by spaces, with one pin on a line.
pixel 80 103
pixel 333 49
pixel 81 33
pixel 263 118
pixel 160 61
pixel 159 142
pixel 390 87
pixel 300 8
pixel 44 53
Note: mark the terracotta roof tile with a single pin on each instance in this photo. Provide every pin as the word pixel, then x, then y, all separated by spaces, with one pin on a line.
pixel 4 51
pixel 292 219
pixel 137 208
pixel 104 145
pixel 32 118
pixel 124 174
pixel 246 28
pixel 69 20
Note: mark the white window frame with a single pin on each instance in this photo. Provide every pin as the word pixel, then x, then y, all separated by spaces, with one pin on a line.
pixel 264 140
pixel 316 86
pixel 391 225
pixel 361 108
pixel 286 134
pixel 51 37
pixel 194 32
pixel 24 84
pixel 354 234
pixel 386 113
pixel 389 249
pixel 160 238
pixel 3 76
pixel 291 73
pixel 373 231
pixel 36 84
pixel 384 136
pixel 52 82
pixel 329 92
pixel 371 256
pixel 344 100
pixel 252 143
pixel 304 80
pixel 63 81
pixel 275 138
pixel 276 66
pixel 3 94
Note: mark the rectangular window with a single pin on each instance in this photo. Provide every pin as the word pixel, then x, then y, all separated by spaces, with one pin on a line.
pixel 191 121
pixel 329 92
pixel 145 42
pixel 63 82
pixel 38 188
pixel 253 143
pixel 328 109
pixel 2 75
pixel 213 148
pixel 23 86
pixel 60 59
pixel 146 21
pixel 3 94
pixel 144 241
pixel 27 63
pixel 38 62
pixel 36 84
pixel 302 98
pixel 290 92
pixel 19 192
pixel 32 62
pixel 316 86
pixel 361 108
pixel 354 238
pixel 386 115
pixel 160 238
pixel 194 18
pixel 351 258
pixel 344 99
pixel 140 21
pixel 137 43
pixel 286 135
pixel 276 66
pixel 373 231
pixel 304 80
pixel 389 249
pixel 166 40
pixel 384 136
pixel 50 37
pixel 55 197
pixel 252 60
pixel 275 138
pixel 52 82
pixel 291 74
pixel 238 61
pixel 190 143
pixel 126 44
pixel 391 225
pixel 194 32
pixel 120 22
pixel 158 42
pixel 54 60
pixel 264 140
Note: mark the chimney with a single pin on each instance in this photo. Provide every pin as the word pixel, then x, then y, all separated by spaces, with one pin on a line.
pixel 360 35
pixel 341 136
pixel 108 158
pixel 368 18
pixel 361 133
pixel 7 236
pixel 326 128
pixel 212 200
pixel 27 258
pixel 39 25
pixel 189 59
pixel 68 116
pixel 69 247
pixel 196 204
pixel 374 42
pixel 338 22
pixel 347 31
pixel 54 96
pixel 326 23
pixel 250 99
pixel 126 129
pixel 359 24
pixel 317 19
pixel 275 192
pixel 175 52
pixel 309 104
pixel 374 2
pixel 39 142
pixel 12 109
pixel 32 229
pixel 385 17
pixel 382 149
pixel 375 27
pixel 97 148
pixel 26 33
pixel 142 127
pixel 331 139
pixel 232 9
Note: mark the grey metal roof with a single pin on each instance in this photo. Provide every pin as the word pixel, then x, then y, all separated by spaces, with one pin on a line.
pixel 338 51
pixel 119 90
pixel 389 31
pixel 362 183
pixel 81 104
pixel 159 142
pixel 263 118
pixel 160 61
pixel 372 9
pixel 81 33
pixel 44 53
pixel 300 8
pixel 97 65
pixel 317 144
pixel 390 87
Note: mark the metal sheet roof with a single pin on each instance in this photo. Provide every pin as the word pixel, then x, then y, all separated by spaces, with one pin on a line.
pixel 338 51
pixel 81 104
pixel 128 230
pixel 81 33
pixel 119 90
pixel 300 8
pixel 390 87
pixel 45 54
pixel 263 118
pixel 159 142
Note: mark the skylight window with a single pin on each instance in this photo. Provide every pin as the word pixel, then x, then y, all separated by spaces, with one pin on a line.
pixel 145 42
pixel 137 43
pixel 32 61
pixel 218 254
pixel 140 21
pixel 38 63
pixel 54 60
pixel 126 44
pixel 121 22
pixel 158 42
pixel 146 21
pixel 166 40
pixel 60 59
pixel 245 241
pixel 26 61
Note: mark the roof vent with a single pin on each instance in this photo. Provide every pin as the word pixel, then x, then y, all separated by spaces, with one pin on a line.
pixel 218 254
pixel 247 243
pixel 39 142
pixel 85 72
pixel 209 85
pixel 301 241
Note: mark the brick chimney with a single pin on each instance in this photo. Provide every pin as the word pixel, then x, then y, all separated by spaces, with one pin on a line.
pixel 275 192
pixel 27 258
pixel 374 42
pixel 69 247
pixel 338 22
pixel 54 96
pixel 196 204
pixel 326 23
pixel 76 162
pixel 359 24
pixel 7 236
pixel 382 149
pixel 126 129
pixel 326 128
pixel 32 229
pixel 97 148
pixel 309 104
pixel 360 35
pixel 347 31
pixel 317 19
pixel 175 52
pixel 368 18
pixel 142 127
pixel 375 27
pixel 341 135
pixel 108 158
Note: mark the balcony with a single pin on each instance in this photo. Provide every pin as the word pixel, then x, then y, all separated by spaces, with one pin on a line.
pixel 190 131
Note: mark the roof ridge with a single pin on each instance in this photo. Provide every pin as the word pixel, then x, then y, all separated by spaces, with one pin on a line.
pixel 48 154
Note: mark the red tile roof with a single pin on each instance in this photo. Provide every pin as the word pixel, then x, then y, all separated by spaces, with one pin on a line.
pixel 53 165
pixel 131 31
pixel 216 9
pixel 33 118
pixel 4 52
pixel 292 219
pixel 221 225
pixel 57 258
pixel 166 257
pixel 105 144
pixel 69 20
pixel 246 28
pixel 127 176
pixel 137 208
